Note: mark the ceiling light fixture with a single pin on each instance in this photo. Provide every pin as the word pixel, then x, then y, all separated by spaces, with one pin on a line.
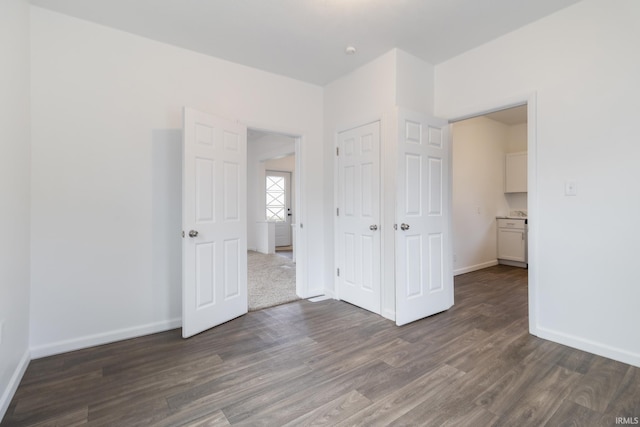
pixel 350 50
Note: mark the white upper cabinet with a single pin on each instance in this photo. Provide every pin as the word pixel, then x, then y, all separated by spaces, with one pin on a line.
pixel 515 173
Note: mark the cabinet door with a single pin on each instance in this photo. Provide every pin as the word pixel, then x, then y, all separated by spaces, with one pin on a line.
pixel 511 244
pixel 515 173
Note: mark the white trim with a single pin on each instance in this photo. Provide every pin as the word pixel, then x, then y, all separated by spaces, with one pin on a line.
pixel 492 107
pixel 331 294
pixel 532 211
pixel 302 261
pixel 532 177
pixel 590 346
pixel 14 382
pixel 104 338
pixel 513 263
pixel 388 187
pixel 319 298
pixel 389 314
pixel 476 267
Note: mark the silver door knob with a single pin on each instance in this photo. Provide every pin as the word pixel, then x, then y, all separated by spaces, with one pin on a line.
pixel 193 233
pixel 404 226
pixel 373 227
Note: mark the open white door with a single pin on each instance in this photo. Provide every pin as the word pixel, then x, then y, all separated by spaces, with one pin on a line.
pixel 424 275
pixel 358 241
pixel 214 248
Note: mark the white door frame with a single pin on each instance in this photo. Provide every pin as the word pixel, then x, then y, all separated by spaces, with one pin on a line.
pixel 300 240
pixel 532 185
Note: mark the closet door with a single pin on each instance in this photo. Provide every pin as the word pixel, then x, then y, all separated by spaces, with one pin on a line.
pixel 358 223
pixel 424 275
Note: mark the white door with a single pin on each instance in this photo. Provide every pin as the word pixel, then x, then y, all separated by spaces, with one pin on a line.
pixel 358 245
pixel 424 275
pixel 214 249
pixel 278 186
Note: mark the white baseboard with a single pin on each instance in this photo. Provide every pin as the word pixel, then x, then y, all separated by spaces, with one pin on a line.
pixel 319 298
pixel 14 382
pixel 590 346
pixel 476 267
pixel 388 314
pixel 330 293
pixel 103 338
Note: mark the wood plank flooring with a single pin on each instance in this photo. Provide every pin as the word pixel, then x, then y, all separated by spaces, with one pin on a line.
pixel 330 363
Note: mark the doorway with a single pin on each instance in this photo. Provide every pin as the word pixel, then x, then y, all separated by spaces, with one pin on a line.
pixel 480 146
pixel 483 147
pixel 272 206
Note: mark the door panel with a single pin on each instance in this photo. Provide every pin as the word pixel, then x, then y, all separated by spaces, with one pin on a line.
pixel 424 276
pixel 358 240
pixel 214 288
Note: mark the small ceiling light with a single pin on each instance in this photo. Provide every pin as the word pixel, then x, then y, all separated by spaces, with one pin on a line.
pixel 350 50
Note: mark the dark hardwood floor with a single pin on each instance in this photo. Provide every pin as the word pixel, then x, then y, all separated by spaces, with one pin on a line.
pixel 330 363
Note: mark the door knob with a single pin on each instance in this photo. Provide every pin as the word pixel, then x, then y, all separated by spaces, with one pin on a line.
pixel 193 233
pixel 373 227
pixel 404 226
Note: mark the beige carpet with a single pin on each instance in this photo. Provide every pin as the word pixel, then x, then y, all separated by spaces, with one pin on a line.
pixel 271 280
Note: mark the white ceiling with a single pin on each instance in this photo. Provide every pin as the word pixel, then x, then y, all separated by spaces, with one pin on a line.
pixel 305 39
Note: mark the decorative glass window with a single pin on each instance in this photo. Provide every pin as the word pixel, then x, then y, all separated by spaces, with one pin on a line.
pixel 276 207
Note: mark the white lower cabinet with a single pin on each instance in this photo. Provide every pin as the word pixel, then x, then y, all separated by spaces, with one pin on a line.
pixel 512 242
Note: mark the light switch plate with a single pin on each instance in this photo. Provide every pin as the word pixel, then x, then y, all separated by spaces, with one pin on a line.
pixel 570 188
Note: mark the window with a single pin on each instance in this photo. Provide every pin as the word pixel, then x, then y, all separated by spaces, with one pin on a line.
pixel 276 206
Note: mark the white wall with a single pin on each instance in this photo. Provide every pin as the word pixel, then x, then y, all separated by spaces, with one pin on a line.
pixel 582 62
pixel 15 192
pixel 414 83
pixel 517 138
pixel 107 110
pixel 479 146
pixel 284 164
pixel 258 150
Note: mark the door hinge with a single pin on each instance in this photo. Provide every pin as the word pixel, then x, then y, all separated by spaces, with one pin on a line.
pixel 395 226
pixel 338 271
pixel 183 234
pixel 337 151
pixel 337 211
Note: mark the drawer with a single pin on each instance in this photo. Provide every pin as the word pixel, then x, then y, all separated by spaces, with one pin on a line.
pixel 511 223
